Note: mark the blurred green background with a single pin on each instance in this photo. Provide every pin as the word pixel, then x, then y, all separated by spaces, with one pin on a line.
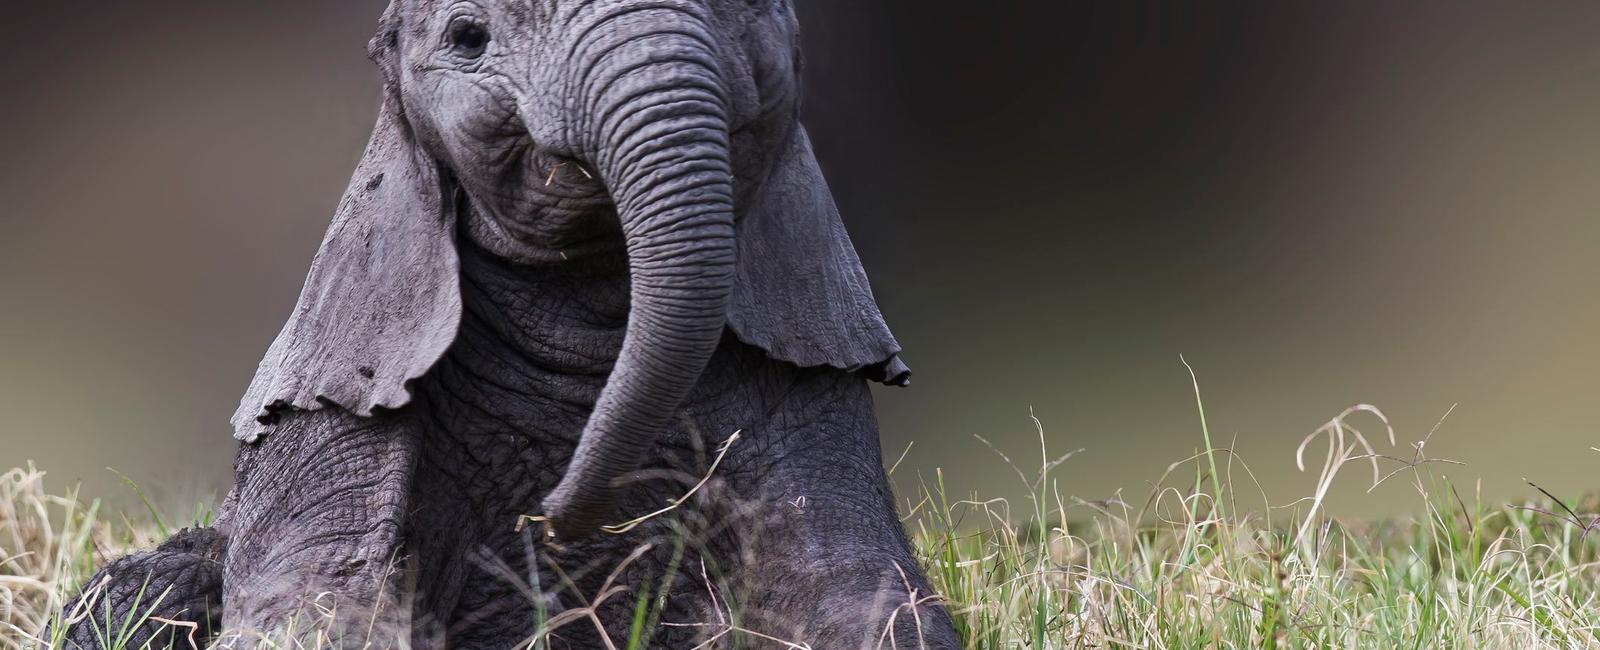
pixel 1318 205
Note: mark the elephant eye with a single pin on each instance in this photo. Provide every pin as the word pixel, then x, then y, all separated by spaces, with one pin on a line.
pixel 468 37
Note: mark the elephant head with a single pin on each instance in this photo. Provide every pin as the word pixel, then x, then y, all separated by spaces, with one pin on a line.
pixel 549 130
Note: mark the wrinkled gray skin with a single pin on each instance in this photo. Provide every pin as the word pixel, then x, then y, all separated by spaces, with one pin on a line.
pixel 588 243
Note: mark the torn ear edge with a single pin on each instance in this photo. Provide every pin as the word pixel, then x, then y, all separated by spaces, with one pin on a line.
pixel 892 372
pixel 382 301
pixel 801 292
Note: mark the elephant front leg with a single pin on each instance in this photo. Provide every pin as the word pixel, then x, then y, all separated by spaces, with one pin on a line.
pixel 319 512
pixel 832 566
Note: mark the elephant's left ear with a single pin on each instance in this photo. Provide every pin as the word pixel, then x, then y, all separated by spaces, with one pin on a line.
pixel 801 293
pixel 382 301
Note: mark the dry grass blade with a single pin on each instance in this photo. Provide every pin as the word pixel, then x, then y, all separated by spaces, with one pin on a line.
pixel 191 626
pixel 673 504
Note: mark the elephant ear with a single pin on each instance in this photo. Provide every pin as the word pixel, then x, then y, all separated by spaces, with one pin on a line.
pixel 382 301
pixel 801 293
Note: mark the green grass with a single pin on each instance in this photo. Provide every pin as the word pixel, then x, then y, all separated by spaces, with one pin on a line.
pixel 1186 567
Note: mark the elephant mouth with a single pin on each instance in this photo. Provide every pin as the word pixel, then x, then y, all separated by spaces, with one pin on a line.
pixel 559 175
pixel 543 228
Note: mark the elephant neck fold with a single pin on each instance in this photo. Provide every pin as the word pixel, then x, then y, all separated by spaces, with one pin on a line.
pixel 563 318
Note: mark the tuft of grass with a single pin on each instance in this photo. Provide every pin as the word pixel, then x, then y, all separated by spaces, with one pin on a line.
pixel 47 543
pixel 1185 567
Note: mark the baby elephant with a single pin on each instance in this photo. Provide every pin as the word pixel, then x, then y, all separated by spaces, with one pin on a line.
pixel 587 270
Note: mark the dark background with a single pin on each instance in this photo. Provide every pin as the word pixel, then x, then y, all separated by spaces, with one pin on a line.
pixel 1318 206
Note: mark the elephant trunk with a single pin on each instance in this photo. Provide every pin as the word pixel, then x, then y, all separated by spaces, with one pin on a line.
pixel 656 129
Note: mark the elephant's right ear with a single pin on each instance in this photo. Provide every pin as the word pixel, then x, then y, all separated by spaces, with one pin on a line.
pixel 382 301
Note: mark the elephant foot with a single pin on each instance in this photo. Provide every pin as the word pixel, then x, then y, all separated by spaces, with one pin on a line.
pixel 856 610
pixel 170 597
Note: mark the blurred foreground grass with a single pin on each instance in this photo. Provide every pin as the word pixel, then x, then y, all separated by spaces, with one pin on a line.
pixel 1185 567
